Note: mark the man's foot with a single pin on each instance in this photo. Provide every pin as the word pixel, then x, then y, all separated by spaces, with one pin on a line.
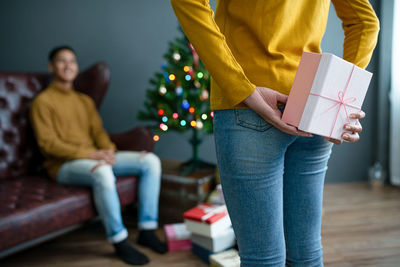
pixel 149 239
pixel 126 252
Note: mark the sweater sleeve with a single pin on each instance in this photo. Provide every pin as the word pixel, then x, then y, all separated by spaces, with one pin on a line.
pixel 47 139
pixel 99 135
pixel 196 19
pixel 361 28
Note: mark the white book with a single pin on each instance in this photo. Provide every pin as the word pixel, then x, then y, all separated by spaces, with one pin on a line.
pixel 210 230
pixel 229 258
pixel 220 242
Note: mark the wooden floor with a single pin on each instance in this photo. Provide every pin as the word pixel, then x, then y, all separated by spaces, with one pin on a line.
pixel 361 227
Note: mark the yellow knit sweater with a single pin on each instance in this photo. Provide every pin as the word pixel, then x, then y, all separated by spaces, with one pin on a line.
pixel 67 127
pixel 259 43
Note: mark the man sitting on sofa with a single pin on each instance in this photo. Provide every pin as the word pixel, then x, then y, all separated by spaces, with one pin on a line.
pixel 78 151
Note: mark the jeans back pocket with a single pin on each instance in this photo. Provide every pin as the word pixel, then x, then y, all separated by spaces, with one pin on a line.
pixel 250 119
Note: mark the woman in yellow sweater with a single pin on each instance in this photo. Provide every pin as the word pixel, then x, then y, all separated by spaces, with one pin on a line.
pixel 272 174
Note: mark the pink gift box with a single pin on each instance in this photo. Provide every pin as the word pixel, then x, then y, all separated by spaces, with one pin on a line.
pixel 178 238
pixel 326 90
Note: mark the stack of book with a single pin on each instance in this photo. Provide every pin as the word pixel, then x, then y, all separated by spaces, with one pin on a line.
pixel 178 237
pixel 211 230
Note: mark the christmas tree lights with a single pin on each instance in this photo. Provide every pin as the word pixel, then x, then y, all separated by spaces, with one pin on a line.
pixel 179 97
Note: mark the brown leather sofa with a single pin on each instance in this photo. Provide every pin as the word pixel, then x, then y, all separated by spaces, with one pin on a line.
pixel 33 208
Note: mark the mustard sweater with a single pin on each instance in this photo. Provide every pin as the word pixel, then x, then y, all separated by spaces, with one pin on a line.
pixel 259 43
pixel 67 127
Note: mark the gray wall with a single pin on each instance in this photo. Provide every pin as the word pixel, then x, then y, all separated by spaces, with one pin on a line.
pixel 131 36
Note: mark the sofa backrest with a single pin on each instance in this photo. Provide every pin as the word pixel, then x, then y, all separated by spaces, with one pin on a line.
pixel 19 154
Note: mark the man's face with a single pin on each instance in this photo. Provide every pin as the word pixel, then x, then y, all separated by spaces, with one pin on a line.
pixel 64 66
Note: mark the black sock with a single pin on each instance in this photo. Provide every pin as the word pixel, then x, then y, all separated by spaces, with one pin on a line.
pixel 129 254
pixel 149 239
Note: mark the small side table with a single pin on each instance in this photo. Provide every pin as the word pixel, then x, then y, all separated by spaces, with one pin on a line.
pixel 179 194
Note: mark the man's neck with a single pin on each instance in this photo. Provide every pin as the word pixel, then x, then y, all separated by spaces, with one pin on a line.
pixel 62 84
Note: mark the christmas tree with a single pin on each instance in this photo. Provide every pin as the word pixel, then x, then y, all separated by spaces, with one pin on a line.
pixel 179 98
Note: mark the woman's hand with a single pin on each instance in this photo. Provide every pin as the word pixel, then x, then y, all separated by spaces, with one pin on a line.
pixel 264 101
pixel 354 129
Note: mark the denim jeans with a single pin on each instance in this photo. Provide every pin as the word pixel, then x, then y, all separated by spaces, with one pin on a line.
pixel 273 188
pixel 102 182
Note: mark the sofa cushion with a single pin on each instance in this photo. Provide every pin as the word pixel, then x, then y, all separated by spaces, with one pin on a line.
pixel 34 206
pixel 18 151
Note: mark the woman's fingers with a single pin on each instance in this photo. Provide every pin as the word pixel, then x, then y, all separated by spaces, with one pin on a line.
pixel 282 98
pixel 286 128
pixel 353 128
pixel 359 115
pixel 354 137
pixel 335 141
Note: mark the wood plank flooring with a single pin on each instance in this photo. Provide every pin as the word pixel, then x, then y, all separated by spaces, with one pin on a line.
pixel 361 227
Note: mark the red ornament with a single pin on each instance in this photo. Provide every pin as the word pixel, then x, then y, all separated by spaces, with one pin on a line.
pixel 204 95
pixel 195 56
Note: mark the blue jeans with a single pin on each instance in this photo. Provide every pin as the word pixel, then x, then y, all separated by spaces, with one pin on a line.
pixel 102 182
pixel 273 188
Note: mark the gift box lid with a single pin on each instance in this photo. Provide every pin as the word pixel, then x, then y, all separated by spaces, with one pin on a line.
pixel 206 213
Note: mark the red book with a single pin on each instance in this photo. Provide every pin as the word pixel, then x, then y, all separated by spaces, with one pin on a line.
pixel 206 213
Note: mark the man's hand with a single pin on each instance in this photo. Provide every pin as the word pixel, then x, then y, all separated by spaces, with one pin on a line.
pixel 103 154
pixel 354 129
pixel 264 101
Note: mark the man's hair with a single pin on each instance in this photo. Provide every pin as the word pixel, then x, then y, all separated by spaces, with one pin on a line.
pixel 57 49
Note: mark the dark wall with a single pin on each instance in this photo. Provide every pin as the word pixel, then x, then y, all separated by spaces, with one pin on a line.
pixel 131 36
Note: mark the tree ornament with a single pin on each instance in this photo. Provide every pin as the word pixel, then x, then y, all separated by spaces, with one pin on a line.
pixel 163 127
pixel 172 77
pixel 162 90
pixel 176 56
pixel 195 56
pixel 199 124
pixel 179 90
pixel 197 84
pixel 204 95
pixel 185 104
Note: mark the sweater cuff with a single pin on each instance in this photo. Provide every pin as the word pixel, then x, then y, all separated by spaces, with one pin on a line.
pixel 83 153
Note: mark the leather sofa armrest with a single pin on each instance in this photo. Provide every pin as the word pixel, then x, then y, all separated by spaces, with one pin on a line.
pixel 136 139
